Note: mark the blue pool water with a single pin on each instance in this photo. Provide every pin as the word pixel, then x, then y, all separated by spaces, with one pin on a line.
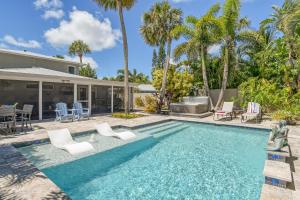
pixel 179 160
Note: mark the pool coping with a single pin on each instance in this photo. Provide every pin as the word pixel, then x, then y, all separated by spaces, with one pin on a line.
pixel 46 140
pixel 12 149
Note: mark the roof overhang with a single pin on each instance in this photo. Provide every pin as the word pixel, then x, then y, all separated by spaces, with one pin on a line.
pixel 7 75
pixel 39 56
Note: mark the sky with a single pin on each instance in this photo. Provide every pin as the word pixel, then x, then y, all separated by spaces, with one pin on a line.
pixel 49 27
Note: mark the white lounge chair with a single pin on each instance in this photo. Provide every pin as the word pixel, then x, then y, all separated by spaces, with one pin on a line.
pixel 104 129
pixel 226 110
pixel 62 139
pixel 253 112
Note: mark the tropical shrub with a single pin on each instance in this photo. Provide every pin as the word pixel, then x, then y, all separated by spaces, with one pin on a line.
pixel 281 102
pixel 139 102
pixel 290 110
pixel 150 104
pixel 179 84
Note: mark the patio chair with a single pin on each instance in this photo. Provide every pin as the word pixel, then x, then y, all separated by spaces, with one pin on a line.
pixel 63 113
pixel 62 139
pixel 253 112
pixel 81 112
pixel 8 119
pixel 25 115
pixel 226 111
pixel 104 129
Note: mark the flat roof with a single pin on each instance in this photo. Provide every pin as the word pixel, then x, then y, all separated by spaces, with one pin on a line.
pixel 37 55
pixel 48 75
pixel 146 88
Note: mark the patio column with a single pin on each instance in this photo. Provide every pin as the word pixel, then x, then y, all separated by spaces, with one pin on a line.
pixel 112 99
pixel 75 93
pixel 40 100
pixel 90 98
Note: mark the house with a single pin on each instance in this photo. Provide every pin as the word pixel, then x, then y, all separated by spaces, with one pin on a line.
pixel 43 81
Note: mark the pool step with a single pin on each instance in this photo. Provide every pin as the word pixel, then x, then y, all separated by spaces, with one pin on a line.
pixel 279 155
pixel 163 128
pixel 277 173
pixel 151 127
pixel 170 131
pixel 270 192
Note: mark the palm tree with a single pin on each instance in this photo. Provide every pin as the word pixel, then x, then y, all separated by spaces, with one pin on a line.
pixel 138 77
pixel 79 48
pixel 253 41
pixel 200 34
pixel 156 30
pixel 119 5
pixel 286 19
pixel 230 22
pixel 134 76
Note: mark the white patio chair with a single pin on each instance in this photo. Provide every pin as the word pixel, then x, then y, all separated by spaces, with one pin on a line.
pixel 63 113
pixel 81 112
pixel 253 112
pixel 226 111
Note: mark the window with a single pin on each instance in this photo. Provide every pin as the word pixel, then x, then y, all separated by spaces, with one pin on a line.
pixel 71 70
pixel 32 85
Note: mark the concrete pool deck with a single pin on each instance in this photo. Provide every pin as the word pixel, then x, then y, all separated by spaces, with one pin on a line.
pixel 38 186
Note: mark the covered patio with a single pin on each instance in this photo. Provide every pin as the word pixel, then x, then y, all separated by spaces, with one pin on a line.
pixel 43 88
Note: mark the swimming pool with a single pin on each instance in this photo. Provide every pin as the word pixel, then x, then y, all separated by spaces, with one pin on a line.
pixel 179 160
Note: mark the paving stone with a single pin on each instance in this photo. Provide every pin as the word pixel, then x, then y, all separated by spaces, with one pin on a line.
pixel 278 170
pixel 270 192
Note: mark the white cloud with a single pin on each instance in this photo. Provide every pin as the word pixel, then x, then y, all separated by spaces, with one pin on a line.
pixel 51 8
pixel 85 59
pixel 180 1
pixel 214 49
pixel 56 14
pixel 48 4
pixel 82 25
pixel 20 42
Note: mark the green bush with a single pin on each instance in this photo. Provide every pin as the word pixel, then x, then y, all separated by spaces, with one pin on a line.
pixel 280 102
pixel 126 116
pixel 139 102
pixel 179 82
pixel 150 104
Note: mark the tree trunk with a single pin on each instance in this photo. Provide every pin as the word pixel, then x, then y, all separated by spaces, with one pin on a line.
pixel 164 81
pixel 204 75
pixel 125 50
pixel 225 77
pixel 80 58
pixel 291 61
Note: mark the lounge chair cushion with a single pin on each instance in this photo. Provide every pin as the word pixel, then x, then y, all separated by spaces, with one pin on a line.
pixel 105 130
pixel 126 135
pixel 79 148
pixel 62 139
